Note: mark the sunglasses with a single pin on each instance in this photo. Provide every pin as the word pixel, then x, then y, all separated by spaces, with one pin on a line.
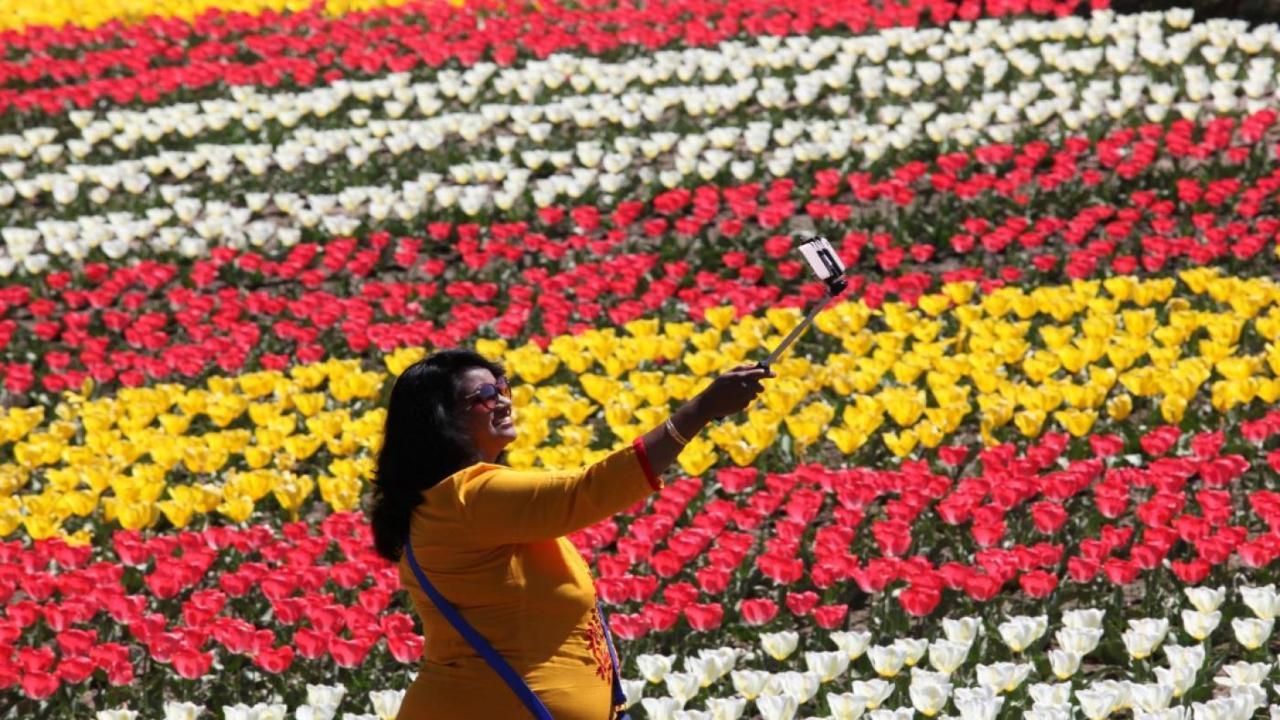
pixel 489 392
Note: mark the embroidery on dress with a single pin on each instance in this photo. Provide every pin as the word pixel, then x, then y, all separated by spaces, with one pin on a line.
pixel 596 643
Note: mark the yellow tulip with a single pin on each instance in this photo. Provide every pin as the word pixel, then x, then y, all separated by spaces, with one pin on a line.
pixel 308 403
pixel 934 305
pixel 1119 407
pixel 1040 364
pixel 1172 408
pixel 1120 287
pixel 291 491
pixel 237 508
pixel 904 405
pixel 41 527
pixel 930 434
pixel 697 457
pixel 847 439
pixel 900 443
pixel 1269 390
pixel 1029 422
pixel 399 360
pixel 178 514
pixel 1077 422
pixel 959 292
pixel 721 317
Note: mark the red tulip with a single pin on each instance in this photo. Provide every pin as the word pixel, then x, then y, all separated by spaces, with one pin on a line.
pixel 758 611
pixel 704 617
pixel 275 660
pixel 830 617
pixel 191 664
pixel 629 627
pixel 348 653
pixel 1038 583
pixel 919 601
pixel 39 685
pixel 660 618
pixel 801 603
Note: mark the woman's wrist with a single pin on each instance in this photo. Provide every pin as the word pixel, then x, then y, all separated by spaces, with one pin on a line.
pixel 689 419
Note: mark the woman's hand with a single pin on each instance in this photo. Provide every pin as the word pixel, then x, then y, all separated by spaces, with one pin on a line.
pixel 733 391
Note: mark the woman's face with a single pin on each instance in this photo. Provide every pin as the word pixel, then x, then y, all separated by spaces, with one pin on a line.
pixel 491 425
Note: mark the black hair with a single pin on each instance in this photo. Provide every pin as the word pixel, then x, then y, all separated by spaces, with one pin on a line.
pixel 423 442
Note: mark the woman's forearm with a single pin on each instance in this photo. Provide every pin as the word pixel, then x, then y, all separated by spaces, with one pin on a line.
pixel 661 448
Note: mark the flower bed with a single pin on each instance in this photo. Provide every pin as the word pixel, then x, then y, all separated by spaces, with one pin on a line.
pixel 1024 468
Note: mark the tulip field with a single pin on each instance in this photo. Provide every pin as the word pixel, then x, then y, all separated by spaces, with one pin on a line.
pixel 1026 466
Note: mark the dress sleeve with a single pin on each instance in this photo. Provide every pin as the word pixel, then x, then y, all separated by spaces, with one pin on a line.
pixel 510 506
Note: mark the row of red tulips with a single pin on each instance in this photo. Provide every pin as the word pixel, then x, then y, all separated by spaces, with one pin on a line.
pixel 165 58
pixel 159 320
pixel 1034 529
pixel 1063 520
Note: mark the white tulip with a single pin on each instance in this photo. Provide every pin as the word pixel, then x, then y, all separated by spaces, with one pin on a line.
pixel 1252 633
pixel 946 656
pixel 874 692
pixel 1097 703
pixel 887 661
pixel 852 642
pixel 963 630
pixel 1181 678
pixel 777 707
pixel 979 703
pixel 749 683
pixel 1003 677
pixel 800 685
pixel 120 714
pixel 181 710
pixel 633 690
pixel 683 686
pixel 1263 601
pixel 846 706
pixel 1200 625
pixel 1144 636
pixel 663 708
pixel 912 648
pixel 1050 694
pixel 386 703
pixel 883 714
pixel 828 665
pixel 726 708
pixel 1079 640
pixel 929 691
pixel 655 667
pixel 1064 663
pixel 1018 633
pixel 1151 698
pixel 1058 712
pixel 1204 599
pixel 1184 656
pixel 1239 674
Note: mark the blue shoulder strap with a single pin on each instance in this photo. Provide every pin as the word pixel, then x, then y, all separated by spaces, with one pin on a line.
pixel 619 697
pixel 482 646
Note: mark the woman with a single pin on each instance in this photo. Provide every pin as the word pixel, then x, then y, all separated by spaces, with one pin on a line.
pixel 490 538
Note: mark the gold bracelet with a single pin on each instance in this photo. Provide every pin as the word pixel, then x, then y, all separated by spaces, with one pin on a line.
pixel 671 430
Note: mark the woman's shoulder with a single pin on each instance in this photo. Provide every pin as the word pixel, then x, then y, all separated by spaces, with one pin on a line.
pixel 455 481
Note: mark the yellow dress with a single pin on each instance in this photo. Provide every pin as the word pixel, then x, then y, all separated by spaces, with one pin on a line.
pixel 491 540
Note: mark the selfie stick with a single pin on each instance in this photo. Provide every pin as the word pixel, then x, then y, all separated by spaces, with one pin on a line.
pixel 827 267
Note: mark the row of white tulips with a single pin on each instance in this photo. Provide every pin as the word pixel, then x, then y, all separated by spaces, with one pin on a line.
pixel 779 695
pixel 535 121
pixel 322 704
pixel 188 225
pixel 123 128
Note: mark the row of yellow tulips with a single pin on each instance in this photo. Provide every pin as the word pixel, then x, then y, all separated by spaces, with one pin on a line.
pixel 1065 355
pixel 18 14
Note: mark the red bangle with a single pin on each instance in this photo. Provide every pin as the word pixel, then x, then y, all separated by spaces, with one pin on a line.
pixel 642 455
